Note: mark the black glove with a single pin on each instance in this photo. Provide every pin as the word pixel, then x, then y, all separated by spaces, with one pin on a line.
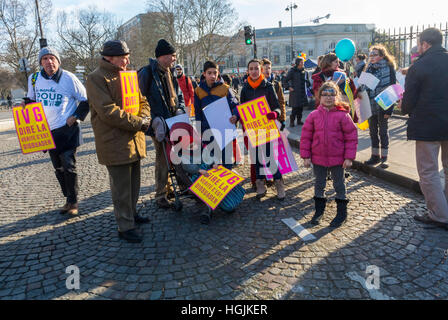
pixel 283 125
pixel 145 124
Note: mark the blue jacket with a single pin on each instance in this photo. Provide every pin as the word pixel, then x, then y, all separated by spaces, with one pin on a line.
pixel 203 96
pixel 151 87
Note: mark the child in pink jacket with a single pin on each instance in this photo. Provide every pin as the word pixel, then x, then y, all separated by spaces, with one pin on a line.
pixel 329 140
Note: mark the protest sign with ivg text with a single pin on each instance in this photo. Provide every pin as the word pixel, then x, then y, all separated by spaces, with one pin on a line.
pixel 259 128
pixel 32 128
pixel 216 186
pixel 130 92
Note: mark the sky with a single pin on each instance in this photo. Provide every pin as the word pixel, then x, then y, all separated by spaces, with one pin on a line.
pixel 267 13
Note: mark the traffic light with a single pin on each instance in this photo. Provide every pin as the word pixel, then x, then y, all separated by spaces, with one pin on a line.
pixel 248 35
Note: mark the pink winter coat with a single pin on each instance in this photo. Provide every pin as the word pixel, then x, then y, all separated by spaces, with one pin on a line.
pixel 329 137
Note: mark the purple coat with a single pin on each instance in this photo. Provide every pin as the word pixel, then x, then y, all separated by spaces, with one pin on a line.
pixel 329 137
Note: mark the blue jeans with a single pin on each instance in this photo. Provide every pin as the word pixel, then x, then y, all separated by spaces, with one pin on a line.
pixel 378 124
pixel 338 177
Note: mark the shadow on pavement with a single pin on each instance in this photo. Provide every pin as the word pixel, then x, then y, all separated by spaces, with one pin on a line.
pixel 410 258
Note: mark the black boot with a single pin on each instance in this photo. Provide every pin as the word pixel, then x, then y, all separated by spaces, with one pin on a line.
pixel 132 236
pixel 138 219
pixel 374 159
pixel 71 185
pixel 384 164
pixel 341 214
pixel 61 179
pixel 291 121
pixel 320 208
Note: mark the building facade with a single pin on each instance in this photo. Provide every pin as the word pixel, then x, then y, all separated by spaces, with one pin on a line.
pixel 275 44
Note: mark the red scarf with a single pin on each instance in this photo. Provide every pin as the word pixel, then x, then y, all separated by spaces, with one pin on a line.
pixel 255 84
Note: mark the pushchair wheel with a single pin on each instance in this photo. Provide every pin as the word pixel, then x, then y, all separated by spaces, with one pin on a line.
pixel 205 218
pixel 177 205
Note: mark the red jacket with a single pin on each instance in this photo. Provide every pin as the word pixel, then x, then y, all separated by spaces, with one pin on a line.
pixel 187 89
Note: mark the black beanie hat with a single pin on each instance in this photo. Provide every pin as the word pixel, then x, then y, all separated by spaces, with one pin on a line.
pixel 164 48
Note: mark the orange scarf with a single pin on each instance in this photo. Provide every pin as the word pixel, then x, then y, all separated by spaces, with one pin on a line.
pixel 255 84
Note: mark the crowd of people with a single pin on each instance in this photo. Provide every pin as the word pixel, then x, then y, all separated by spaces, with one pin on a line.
pixel 329 134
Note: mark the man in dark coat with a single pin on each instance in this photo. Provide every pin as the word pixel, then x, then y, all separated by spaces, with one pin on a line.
pixel 426 101
pixel 296 80
pixel 159 86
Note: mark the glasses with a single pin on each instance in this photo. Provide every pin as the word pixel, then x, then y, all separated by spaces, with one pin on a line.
pixel 373 55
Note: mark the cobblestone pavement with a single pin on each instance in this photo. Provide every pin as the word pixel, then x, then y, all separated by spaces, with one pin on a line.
pixel 250 254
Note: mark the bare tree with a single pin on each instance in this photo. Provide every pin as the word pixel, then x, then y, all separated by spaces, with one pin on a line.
pixel 200 29
pixel 141 34
pixel 82 34
pixel 7 82
pixel 210 20
pixel 19 34
pixel 174 22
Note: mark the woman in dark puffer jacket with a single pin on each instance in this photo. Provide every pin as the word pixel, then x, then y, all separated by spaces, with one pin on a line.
pixel 382 66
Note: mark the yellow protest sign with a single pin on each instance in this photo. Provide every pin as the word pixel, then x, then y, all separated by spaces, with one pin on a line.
pixel 213 189
pixel 350 97
pixel 130 92
pixel 32 128
pixel 364 125
pixel 259 129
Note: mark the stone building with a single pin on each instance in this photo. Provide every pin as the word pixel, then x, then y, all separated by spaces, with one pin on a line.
pixel 275 44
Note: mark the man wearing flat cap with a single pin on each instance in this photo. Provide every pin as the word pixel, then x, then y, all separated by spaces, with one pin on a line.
pixel 64 100
pixel 119 136
pixel 160 87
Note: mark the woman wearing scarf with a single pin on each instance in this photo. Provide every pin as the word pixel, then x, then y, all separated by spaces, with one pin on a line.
pixel 382 66
pixel 330 65
pixel 255 87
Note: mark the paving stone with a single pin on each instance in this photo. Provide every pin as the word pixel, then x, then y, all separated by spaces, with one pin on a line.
pixel 170 294
pixel 248 255
pixel 198 288
pixel 389 280
pixel 354 294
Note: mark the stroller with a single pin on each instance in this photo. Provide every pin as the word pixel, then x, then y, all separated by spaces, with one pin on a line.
pixel 178 177
pixel 182 177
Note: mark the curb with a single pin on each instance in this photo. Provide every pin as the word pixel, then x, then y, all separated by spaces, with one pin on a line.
pixel 378 172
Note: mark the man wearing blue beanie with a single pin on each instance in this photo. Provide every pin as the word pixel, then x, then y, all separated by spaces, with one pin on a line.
pixel 64 100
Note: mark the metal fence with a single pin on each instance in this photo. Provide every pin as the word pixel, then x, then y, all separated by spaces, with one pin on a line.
pixel 400 41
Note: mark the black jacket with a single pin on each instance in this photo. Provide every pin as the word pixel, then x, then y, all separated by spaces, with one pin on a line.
pixel 297 79
pixel 264 89
pixel 151 87
pixel 426 96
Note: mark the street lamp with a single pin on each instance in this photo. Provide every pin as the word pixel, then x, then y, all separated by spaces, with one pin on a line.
pixel 290 8
pixel 42 40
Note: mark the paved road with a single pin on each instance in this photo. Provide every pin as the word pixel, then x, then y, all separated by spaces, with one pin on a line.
pixel 251 254
pixel 6 120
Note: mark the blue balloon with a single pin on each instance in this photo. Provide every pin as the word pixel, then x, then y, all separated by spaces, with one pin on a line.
pixel 345 49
